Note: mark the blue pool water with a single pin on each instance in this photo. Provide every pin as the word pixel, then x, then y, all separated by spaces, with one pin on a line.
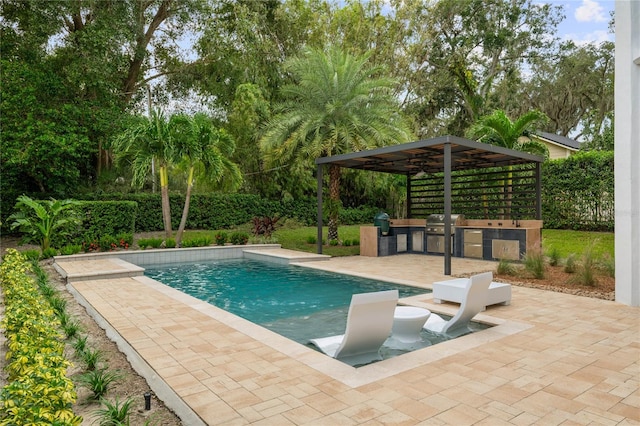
pixel 296 302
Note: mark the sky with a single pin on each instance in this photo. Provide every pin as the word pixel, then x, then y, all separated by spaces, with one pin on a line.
pixel 587 21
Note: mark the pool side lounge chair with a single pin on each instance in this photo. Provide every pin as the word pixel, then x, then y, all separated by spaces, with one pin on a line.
pixel 473 302
pixel 369 324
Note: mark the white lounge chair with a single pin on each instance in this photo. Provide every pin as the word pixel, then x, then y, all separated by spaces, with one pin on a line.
pixel 473 302
pixel 369 324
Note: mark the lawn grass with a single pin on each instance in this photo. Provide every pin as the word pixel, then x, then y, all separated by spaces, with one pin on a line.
pixel 294 237
pixel 576 242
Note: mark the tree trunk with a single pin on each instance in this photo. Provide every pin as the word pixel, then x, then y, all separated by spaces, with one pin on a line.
pixel 166 208
pixel 334 198
pixel 185 210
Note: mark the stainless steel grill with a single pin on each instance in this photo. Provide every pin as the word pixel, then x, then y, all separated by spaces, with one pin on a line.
pixel 435 231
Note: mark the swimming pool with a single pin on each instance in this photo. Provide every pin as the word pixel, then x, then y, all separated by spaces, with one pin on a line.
pixel 296 302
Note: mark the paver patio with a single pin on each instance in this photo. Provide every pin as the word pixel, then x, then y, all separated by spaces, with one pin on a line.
pixel 555 358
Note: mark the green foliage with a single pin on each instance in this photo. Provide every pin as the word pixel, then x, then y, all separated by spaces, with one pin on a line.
pixel 170 243
pixel 38 390
pixel 31 255
pixel 554 256
pixel 505 267
pixel 91 358
pixel 239 238
pixel 143 243
pixel 49 253
pixel 42 221
pixel 534 263
pixel 197 242
pixel 114 414
pixel 98 381
pixel 80 344
pixel 220 238
pixel 312 239
pixel 570 264
pixel 578 192
pixel 71 328
pixel 108 243
pixel 609 265
pixel 585 274
pixel 334 242
pixel 70 249
pixel 107 219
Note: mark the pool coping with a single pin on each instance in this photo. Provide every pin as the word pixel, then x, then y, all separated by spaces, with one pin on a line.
pixel 350 376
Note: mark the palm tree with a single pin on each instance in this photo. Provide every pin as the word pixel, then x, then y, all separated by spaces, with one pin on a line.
pixel 338 105
pixel 498 129
pixel 148 139
pixel 203 146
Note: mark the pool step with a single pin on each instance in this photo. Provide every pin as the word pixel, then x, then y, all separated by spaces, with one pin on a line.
pixel 97 269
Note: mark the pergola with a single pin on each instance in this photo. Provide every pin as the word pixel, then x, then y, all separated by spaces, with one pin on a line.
pixel 442 155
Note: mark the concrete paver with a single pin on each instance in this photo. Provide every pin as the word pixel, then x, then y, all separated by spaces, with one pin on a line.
pixel 556 359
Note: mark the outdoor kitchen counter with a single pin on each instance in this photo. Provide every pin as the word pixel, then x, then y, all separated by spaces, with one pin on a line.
pixel 481 239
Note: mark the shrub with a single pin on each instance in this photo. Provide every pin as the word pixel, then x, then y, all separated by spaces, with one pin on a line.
pixel 197 242
pixel 346 243
pixel 108 242
pixel 38 389
pixel 356 242
pixel 570 264
pixel 609 265
pixel 98 381
pixel 170 243
pixel 31 255
pixel 239 238
pixel 80 345
pixel 311 239
pixel 554 256
pixel 505 268
pixel 70 249
pixel 71 328
pixel 48 253
pixel 91 358
pixel 125 239
pixel 334 242
pixel 143 243
pixel 586 273
pixel 220 238
pixel 114 414
pixel 264 225
pixel 534 263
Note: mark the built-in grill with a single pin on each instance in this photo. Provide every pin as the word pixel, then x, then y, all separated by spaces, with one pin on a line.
pixel 435 231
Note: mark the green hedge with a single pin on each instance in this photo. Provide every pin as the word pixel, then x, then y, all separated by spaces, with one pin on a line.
pixel 578 192
pixel 224 211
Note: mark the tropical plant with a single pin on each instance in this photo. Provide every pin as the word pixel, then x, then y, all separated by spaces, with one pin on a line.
pixel 98 381
pixel 43 220
pixel 206 149
pixel 38 390
pixel 114 414
pixel 498 129
pixel 338 104
pixel 149 141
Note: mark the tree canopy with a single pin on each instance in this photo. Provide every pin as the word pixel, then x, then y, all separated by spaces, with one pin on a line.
pixel 74 72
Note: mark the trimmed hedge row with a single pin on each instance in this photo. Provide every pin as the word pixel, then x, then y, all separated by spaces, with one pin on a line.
pixel 578 192
pixel 38 390
pixel 213 211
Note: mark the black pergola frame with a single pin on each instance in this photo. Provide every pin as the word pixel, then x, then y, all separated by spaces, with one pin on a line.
pixel 443 154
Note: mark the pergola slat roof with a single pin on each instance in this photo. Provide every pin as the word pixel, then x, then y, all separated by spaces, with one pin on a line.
pixel 444 154
pixel 428 156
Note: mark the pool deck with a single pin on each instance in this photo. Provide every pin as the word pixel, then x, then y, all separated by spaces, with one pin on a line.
pixel 553 358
